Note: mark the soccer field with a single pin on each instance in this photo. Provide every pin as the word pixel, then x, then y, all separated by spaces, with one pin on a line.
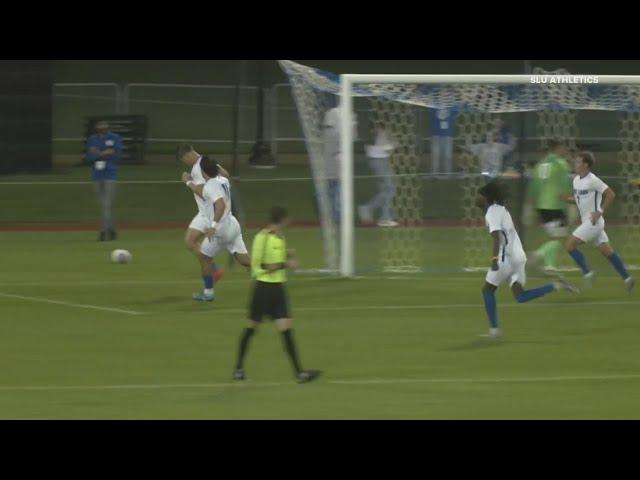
pixel 83 338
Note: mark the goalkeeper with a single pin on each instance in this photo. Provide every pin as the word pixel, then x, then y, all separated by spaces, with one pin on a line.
pixel 551 183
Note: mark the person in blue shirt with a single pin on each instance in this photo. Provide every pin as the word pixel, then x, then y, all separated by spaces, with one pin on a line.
pixel 443 122
pixel 104 151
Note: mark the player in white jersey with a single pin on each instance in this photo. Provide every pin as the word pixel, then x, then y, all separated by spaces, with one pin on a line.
pixel 508 258
pixel 593 197
pixel 195 233
pixel 223 229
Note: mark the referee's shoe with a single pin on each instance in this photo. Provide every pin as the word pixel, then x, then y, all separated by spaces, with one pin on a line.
pixel 307 376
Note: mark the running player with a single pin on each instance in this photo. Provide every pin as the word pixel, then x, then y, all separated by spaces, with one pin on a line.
pixel 550 186
pixel 593 197
pixel 508 259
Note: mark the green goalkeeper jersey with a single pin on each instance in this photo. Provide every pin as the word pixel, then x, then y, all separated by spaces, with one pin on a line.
pixel 551 181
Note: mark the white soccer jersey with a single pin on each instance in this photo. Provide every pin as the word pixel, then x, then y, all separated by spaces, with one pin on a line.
pixel 490 155
pixel 198 179
pixel 213 190
pixel 498 218
pixel 588 192
pixel 228 232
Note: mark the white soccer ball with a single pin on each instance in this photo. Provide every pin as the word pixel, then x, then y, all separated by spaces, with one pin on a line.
pixel 121 256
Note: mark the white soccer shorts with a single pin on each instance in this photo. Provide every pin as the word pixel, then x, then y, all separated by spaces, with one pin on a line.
pixel 227 236
pixel 592 234
pixel 507 271
pixel 200 223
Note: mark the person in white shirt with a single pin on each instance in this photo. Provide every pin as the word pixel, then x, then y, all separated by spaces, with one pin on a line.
pixel 508 259
pixel 223 229
pixel 491 154
pixel 379 155
pixel 593 197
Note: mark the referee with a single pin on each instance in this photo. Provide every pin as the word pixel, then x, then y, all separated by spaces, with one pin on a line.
pixel 269 261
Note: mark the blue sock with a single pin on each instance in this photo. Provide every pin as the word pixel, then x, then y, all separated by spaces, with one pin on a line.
pixel 490 306
pixel 208 282
pixel 528 295
pixel 616 261
pixel 580 260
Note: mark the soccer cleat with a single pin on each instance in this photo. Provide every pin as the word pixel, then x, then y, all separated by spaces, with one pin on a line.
pixel 388 223
pixel 493 333
pixel 630 284
pixel 113 235
pixel 562 284
pixel 239 375
pixel 365 214
pixel 588 279
pixel 102 237
pixel 217 275
pixel 202 297
pixel 307 376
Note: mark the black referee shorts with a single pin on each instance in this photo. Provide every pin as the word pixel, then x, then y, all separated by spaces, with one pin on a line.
pixel 270 300
pixel 548 216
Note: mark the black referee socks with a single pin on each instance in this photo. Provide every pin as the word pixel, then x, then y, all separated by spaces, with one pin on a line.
pixel 244 345
pixel 290 346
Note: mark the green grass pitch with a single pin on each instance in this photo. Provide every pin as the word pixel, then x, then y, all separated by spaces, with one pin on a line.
pixel 83 338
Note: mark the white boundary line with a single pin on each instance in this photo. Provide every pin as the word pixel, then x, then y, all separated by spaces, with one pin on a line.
pixel 69 304
pixel 378 381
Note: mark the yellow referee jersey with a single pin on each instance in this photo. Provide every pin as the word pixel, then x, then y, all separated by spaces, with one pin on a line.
pixel 268 248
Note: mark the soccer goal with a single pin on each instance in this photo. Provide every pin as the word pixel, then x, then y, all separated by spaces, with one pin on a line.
pixel 372 142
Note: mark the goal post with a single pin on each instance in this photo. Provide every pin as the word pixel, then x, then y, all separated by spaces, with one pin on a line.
pixel 423 198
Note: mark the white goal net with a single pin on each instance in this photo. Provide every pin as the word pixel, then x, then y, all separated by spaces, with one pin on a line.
pixel 373 141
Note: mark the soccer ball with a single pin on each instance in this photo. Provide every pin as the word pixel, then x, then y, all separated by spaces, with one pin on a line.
pixel 121 256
